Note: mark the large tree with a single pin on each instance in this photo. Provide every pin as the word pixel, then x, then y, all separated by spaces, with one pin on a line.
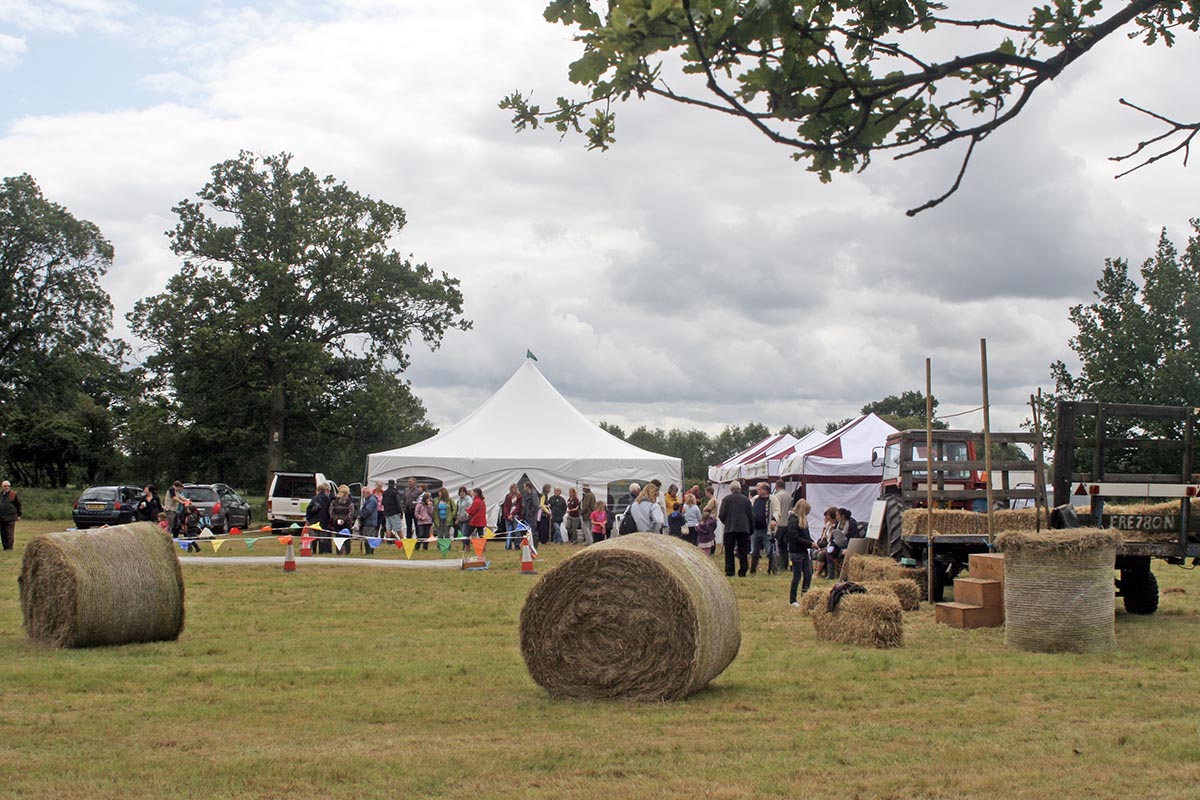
pixel 289 298
pixel 905 410
pixel 839 80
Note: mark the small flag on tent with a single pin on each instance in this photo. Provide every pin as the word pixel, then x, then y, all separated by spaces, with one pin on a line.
pixel 284 540
pixel 216 543
pixel 478 545
pixel 408 545
pixel 529 354
pixel 338 541
pixel 250 541
pixel 374 542
pixel 444 546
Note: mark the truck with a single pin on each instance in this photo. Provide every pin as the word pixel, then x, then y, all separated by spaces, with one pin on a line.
pixel 288 496
pixel 1103 477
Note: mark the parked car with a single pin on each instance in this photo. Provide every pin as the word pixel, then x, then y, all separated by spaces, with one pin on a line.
pixel 220 506
pixel 106 505
pixel 288 497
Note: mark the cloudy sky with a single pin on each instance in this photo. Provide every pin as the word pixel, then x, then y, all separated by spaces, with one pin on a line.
pixel 692 276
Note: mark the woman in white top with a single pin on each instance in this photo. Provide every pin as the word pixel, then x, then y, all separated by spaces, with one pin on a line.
pixel 647 513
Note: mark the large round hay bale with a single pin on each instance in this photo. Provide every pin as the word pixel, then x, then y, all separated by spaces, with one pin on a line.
pixel 640 617
pixel 102 586
pixel 1058 589
pixel 872 619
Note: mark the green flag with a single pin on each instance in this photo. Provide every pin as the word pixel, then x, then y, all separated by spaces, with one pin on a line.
pixel 529 354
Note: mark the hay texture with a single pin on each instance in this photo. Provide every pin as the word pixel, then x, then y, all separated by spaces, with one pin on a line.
pixel 639 617
pixel 102 586
pixel 871 620
pixel 957 522
pixel 1058 589
pixel 864 569
pixel 905 591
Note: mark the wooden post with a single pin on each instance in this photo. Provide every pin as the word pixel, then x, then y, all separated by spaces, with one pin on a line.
pixel 1039 475
pixel 987 441
pixel 929 477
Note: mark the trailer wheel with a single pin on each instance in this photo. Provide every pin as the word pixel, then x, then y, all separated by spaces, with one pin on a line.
pixel 1139 588
pixel 893 519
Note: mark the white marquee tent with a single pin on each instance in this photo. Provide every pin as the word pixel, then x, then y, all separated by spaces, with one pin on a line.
pixel 525 428
pixel 837 470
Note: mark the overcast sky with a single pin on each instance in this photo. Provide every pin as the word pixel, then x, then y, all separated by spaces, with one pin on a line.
pixel 692 276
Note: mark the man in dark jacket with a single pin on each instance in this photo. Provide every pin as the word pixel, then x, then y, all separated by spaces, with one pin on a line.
pixel 393 508
pixel 558 512
pixel 10 512
pixel 529 507
pixel 411 495
pixel 735 513
pixel 587 504
pixel 318 512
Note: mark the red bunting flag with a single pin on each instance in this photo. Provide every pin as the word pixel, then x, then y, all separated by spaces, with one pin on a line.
pixel 265 529
pixel 284 540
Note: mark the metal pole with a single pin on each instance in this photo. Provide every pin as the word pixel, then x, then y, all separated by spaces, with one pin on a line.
pixel 987 441
pixel 929 477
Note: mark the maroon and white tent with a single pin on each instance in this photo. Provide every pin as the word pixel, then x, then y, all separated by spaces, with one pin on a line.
pixel 837 470
pixel 773 448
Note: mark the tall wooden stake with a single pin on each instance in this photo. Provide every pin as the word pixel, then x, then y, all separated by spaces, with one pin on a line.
pixel 929 477
pixel 987 442
pixel 1039 477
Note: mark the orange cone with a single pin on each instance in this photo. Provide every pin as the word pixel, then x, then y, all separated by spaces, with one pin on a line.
pixel 289 559
pixel 526 557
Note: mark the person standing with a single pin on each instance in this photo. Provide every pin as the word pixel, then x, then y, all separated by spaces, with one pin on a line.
pixel 510 512
pixel 10 515
pixel 735 514
pixel 393 509
pixel 763 527
pixel 798 541
pixel 573 518
pixel 412 493
pixel 462 516
pixel 443 514
pixel 530 505
pixel 543 515
pixel 782 499
pixel 423 513
pixel 558 512
pixel 149 506
pixel 477 514
pixel 318 512
pixel 587 505
pixel 174 506
pixel 647 513
pixel 368 518
pixel 691 517
pixel 599 523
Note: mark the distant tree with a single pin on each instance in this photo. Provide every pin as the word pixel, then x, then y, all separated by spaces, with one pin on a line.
pixel 799 433
pixel 734 439
pixel 904 411
pixel 289 297
pixel 615 430
pixel 838 82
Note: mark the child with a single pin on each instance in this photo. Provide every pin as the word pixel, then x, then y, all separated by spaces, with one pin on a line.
pixel 675 521
pixel 706 533
pixel 189 526
pixel 162 520
pixel 599 523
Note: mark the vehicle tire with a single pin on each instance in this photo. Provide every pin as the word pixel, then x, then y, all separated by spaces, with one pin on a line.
pixel 1139 590
pixel 892 523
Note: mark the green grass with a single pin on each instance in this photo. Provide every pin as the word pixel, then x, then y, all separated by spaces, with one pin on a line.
pixel 362 683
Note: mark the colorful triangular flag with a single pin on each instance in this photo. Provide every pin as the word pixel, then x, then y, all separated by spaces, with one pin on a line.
pixel 338 541
pixel 206 533
pixel 444 546
pixel 408 545
pixel 216 543
pixel 183 544
pixel 478 545
pixel 284 540
pixel 374 541
pixel 316 526
pixel 265 529
pixel 293 526
pixel 488 533
pixel 235 531
pixel 250 541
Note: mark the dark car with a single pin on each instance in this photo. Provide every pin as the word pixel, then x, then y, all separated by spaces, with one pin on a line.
pixel 219 505
pixel 106 505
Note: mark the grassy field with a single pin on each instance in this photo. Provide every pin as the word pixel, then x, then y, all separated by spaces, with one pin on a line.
pixel 362 683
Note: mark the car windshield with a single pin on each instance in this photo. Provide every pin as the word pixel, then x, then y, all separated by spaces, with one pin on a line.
pixel 97 495
pixel 200 494
pixel 294 486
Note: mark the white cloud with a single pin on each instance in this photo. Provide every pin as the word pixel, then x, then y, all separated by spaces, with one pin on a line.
pixel 67 16
pixel 12 49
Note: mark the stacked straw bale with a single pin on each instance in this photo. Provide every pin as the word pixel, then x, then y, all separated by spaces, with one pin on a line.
pixel 1058 589
pixel 639 617
pixel 905 592
pixel 863 568
pixel 957 522
pixel 872 619
pixel 102 586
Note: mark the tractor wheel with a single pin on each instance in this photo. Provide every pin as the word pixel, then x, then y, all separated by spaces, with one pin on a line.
pixel 1139 588
pixel 892 521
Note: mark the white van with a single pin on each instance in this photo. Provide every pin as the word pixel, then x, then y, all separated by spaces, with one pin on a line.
pixel 288 497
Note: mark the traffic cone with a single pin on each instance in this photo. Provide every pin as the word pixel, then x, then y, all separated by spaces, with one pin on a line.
pixel 526 557
pixel 289 559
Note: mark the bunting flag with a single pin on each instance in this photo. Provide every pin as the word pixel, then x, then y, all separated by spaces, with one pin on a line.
pixel 478 545
pixel 344 531
pixel 235 531
pixel 444 546
pixel 374 542
pixel 488 533
pixel 306 542
pixel 293 526
pixel 408 545
pixel 284 540
pixel 250 542
pixel 338 541
pixel 206 533
pixel 399 543
pixel 316 526
pixel 183 544
pixel 265 529
pixel 216 543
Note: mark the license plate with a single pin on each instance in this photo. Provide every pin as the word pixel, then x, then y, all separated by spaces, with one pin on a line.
pixel 95 506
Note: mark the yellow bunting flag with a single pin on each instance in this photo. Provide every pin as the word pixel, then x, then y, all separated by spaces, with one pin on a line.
pixel 408 545
pixel 478 545
pixel 488 533
pixel 316 526
pixel 284 540
pixel 216 543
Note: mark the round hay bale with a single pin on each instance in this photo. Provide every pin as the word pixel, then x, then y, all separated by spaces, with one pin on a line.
pixel 1058 589
pixel 874 620
pixel 640 617
pixel 102 586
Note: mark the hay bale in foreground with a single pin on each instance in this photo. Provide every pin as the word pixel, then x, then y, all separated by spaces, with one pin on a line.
pixel 1058 589
pixel 102 586
pixel 874 620
pixel 639 617
pixel 864 568
pixel 905 591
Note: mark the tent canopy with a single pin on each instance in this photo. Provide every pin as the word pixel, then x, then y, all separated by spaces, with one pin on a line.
pixel 772 448
pixel 836 469
pixel 525 429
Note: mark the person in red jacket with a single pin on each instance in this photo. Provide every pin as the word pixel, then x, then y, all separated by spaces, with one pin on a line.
pixel 477 514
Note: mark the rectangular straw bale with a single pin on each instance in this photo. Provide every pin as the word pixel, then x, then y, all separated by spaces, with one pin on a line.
pixel 860 568
pixel 872 620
